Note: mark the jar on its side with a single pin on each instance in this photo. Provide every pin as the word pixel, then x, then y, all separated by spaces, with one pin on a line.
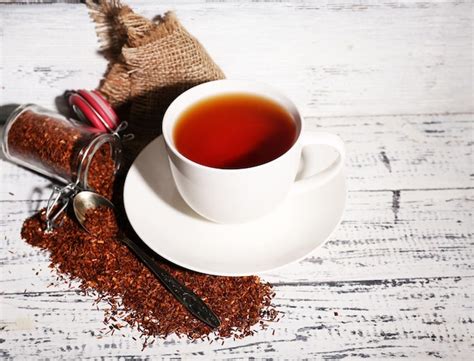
pixel 62 148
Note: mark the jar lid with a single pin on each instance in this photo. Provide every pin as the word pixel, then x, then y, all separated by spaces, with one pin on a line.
pixel 92 107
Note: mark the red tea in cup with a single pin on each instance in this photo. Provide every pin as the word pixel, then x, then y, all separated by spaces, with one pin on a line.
pixel 234 130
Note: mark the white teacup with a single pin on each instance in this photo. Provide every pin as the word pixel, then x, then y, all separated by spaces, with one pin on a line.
pixel 240 195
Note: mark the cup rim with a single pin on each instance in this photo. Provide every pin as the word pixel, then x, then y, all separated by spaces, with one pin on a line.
pixel 217 83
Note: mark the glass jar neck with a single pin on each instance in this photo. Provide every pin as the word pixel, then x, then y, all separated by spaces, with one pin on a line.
pixel 89 151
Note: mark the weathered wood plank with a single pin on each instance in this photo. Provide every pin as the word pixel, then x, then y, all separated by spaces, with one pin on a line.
pixel 333 58
pixel 383 153
pixel 376 240
pixel 45 2
pixel 414 318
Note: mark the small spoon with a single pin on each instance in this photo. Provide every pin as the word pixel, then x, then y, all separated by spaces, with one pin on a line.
pixel 85 201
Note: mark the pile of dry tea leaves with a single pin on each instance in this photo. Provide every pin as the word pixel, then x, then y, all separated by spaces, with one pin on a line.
pixel 107 268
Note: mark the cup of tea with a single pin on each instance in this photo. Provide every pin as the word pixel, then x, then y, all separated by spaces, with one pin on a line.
pixel 234 149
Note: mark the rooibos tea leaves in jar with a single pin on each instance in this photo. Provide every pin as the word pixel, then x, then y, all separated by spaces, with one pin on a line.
pixel 61 148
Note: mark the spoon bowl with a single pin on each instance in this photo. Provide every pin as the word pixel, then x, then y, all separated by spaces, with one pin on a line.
pixel 85 201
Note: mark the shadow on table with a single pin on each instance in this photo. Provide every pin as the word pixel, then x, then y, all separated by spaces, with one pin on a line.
pixel 6 110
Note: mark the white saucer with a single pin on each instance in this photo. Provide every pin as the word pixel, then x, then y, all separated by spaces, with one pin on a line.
pixel 168 226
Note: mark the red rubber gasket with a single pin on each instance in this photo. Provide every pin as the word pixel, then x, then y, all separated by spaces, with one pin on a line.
pixel 93 106
pixel 79 104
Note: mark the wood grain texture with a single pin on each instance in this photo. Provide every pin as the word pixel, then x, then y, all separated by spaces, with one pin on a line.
pixel 397 272
pixel 334 58
pixel 383 153
pixel 431 227
pixel 393 79
pixel 44 2
pixel 414 318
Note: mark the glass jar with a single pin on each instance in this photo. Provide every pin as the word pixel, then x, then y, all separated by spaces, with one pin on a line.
pixel 61 148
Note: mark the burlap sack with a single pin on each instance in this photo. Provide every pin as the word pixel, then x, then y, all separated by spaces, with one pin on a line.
pixel 150 62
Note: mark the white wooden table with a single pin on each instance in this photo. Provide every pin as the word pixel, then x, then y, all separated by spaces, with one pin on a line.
pixel 394 80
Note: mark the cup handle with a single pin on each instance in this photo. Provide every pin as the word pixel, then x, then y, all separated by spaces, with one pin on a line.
pixel 311 179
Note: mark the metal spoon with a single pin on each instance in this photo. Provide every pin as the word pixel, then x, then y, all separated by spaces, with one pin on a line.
pixel 85 200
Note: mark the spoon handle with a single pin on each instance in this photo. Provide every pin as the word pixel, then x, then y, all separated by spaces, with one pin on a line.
pixel 188 298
